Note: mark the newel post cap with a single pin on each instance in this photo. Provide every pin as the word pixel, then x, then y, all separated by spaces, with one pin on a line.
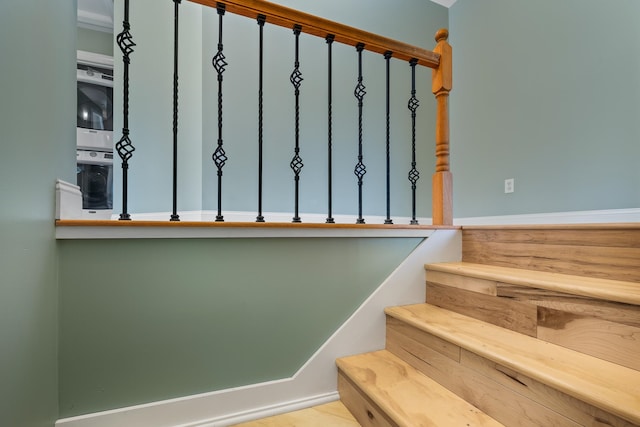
pixel 442 35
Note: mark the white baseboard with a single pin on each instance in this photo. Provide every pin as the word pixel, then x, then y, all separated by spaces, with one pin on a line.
pixel 316 381
pixel 577 217
pixel 269 411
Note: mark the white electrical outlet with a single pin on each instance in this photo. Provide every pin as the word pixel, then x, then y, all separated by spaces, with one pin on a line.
pixel 509 185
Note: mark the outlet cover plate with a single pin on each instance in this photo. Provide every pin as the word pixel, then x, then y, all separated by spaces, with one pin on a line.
pixel 509 185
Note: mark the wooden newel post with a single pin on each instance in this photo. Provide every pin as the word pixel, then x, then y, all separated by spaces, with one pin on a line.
pixel 442 201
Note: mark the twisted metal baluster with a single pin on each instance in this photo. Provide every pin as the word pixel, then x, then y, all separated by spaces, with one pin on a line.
pixel 414 175
pixel 174 215
pixel 387 57
pixel 296 80
pixel 330 38
pixel 360 168
pixel 219 156
pixel 261 21
pixel 124 147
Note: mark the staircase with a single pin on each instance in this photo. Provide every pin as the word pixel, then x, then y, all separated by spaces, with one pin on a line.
pixel 537 326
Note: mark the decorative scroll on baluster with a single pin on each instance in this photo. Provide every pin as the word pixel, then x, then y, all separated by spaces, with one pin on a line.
pixel 414 175
pixel 442 205
pixel 387 57
pixel 330 38
pixel 174 215
pixel 360 168
pixel 296 80
pixel 219 156
pixel 261 21
pixel 124 147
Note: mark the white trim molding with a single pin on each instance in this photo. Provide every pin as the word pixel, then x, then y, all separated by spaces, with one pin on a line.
pixel 316 381
pixel 576 217
pixel 445 3
pixel 236 226
pixel 131 231
pixel 95 59
pixel 95 22
pixel 96 15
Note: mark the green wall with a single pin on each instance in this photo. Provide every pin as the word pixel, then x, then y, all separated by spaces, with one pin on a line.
pixel 170 318
pixel 95 41
pixel 174 318
pixel 37 138
pixel 179 317
pixel 553 113
pixel 546 92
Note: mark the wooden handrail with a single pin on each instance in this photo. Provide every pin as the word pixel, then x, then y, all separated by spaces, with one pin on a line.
pixel 320 27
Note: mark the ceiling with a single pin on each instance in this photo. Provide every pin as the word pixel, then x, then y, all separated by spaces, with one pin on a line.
pixel 445 3
pixel 98 14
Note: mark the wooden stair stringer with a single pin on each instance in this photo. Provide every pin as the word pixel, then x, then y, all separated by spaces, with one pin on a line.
pixel 605 385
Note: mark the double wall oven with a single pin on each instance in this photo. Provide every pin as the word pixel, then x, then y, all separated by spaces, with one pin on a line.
pixel 94 136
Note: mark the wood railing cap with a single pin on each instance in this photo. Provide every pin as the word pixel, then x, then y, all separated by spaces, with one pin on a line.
pixel 321 27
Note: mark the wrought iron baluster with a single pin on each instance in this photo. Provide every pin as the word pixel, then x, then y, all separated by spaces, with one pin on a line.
pixel 261 21
pixel 296 80
pixel 124 147
pixel 360 168
pixel 387 57
pixel 219 156
pixel 330 38
pixel 174 215
pixel 414 175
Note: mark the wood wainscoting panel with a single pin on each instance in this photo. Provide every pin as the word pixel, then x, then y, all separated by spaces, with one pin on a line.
pixel 574 409
pixel 494 399
pixel 627 314
pixel 604 251
pixel 611 387
pixel 589 261
pixel 396 326
pixel 515 315
pixel 474 284
pixel 610 341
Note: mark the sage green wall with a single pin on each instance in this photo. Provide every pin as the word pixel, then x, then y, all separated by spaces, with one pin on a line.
pixel 95 41
pixel 37 138
pixel 170 318
pixel 546 92
pixel 173 318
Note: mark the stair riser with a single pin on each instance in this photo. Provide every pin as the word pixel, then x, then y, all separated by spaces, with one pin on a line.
pixel 509 397
pixel 609 254
pixel 367 413
pixel 602 329
pixel 505 312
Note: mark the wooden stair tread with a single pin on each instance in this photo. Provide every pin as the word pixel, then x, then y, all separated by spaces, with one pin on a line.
pixel 603 384
pixel 406 395
pixel 605 289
